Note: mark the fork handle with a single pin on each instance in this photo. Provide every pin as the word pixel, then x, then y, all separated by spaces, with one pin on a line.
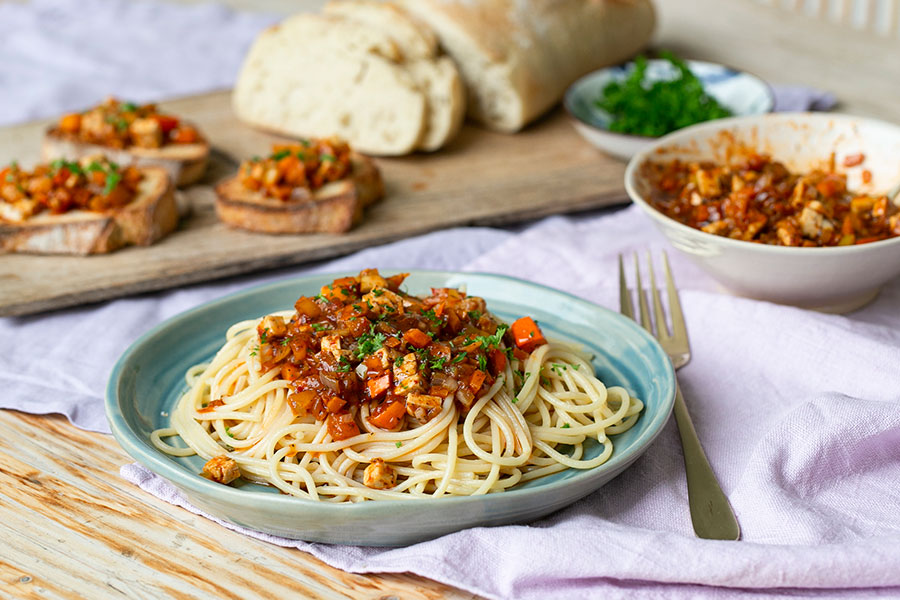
pixel 711 513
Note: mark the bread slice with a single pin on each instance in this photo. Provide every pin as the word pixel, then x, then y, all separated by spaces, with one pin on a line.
pixel 185 163
pixel 517 58
pixel 319 76
pixel 333 208
pixel 415 39
pixel 442 85
pixel 436 76
pixel 147 218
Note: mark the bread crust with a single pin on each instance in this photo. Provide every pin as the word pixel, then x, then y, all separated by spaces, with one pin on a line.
pixel 334 208
pixel 143 221
pixel 517 58
pixel 185 163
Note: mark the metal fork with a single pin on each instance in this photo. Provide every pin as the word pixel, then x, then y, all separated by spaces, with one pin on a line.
pixel 711 514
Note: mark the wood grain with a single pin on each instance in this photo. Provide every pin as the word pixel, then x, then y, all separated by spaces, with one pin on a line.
pixel 481 178
pixel 71 527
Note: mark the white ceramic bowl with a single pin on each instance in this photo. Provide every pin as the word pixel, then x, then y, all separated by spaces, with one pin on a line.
pixel 741 93
pixel 833 279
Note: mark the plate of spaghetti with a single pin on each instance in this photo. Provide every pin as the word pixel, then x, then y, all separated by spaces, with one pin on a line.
pixel 385 409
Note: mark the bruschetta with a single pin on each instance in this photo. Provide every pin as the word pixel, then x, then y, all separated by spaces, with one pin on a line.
pixel 89 207
pixel 310 186
pixel 129 134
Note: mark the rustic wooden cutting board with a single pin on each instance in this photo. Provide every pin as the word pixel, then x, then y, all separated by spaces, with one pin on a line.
pixel 481 178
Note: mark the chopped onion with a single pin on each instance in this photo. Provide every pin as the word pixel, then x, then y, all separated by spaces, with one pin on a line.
pixel 361 370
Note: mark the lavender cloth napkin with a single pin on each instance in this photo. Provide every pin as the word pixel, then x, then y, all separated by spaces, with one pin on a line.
pixel 799 412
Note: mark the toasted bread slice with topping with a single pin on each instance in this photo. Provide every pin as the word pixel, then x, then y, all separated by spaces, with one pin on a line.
pixel 185 163
pixel 333 208
pixel 144 220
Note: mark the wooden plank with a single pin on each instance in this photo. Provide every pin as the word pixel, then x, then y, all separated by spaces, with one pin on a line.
pixel 71 527
pixel 481 178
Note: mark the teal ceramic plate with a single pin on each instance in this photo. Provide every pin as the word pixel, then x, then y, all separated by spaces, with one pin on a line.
pixel 147 380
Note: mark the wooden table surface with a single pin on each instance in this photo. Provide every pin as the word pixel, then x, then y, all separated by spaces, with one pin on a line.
pixel 70 527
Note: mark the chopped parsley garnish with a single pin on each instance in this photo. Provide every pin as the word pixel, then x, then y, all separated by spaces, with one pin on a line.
pixel 652 109
pixel 460 357
pixel 377 292
pixel 369 342
pixel 285 341
pixel 557 368
pixel 280 154
pixel 319 326
pixel 565 426
pixel 345 291
pixel 399 444
pixel 474 314
pixel 264 336
pixel 228 432
pixel 487 341
pixel 544 380
pixel 482 362
pixel 437 363
pixel 255 351
pixel 327 158
pixel 432 316
pixel 129 107
pixel 112 180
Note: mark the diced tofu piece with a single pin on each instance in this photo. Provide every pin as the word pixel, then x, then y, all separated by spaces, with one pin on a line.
pixel 423 406
pixel 708 183
pixel 146 133
pixel 332 345
pixel 787 233
pixel 369 280
pixel 273 325
pixel 221 469
pixel 407 379
pixel 384 302
pixel 379 475
pixel 383 356
pixel 814 223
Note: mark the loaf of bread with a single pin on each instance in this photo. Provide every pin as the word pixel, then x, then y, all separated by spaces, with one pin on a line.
pixel 363 70
pixel 518 57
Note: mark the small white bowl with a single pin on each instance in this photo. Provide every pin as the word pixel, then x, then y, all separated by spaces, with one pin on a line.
pixel 741 93
pixel 831 279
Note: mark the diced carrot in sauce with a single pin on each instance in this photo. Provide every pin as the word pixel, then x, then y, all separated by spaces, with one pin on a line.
pixel 301 403
pixel 166 123
pixel 378 386
pixel 498 360
pixel 342 426
pixel 526 334
pixel 212 405
pixel 387 416
pixel 417 337
pixel 335 404
pixel 70 123
pixel 852 160
pixel 477 380
pixel 185 135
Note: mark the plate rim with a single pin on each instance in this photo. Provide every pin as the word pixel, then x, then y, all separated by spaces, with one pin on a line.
pixel 128 439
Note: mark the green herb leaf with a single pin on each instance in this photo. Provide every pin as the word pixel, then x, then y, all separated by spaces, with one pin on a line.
pixel 460 357
pixel 639 107
pixel 327 157
pixel 399 444
pixel 112 180
pixel 129 107
pixel 280 154
pixel 565 426
pixel 482 362
pixel 319 326
pixel 369 342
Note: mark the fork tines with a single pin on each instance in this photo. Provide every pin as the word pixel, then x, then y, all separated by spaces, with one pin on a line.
pixel 657 326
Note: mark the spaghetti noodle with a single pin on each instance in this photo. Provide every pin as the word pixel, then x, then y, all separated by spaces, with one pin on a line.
pixel 365 392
